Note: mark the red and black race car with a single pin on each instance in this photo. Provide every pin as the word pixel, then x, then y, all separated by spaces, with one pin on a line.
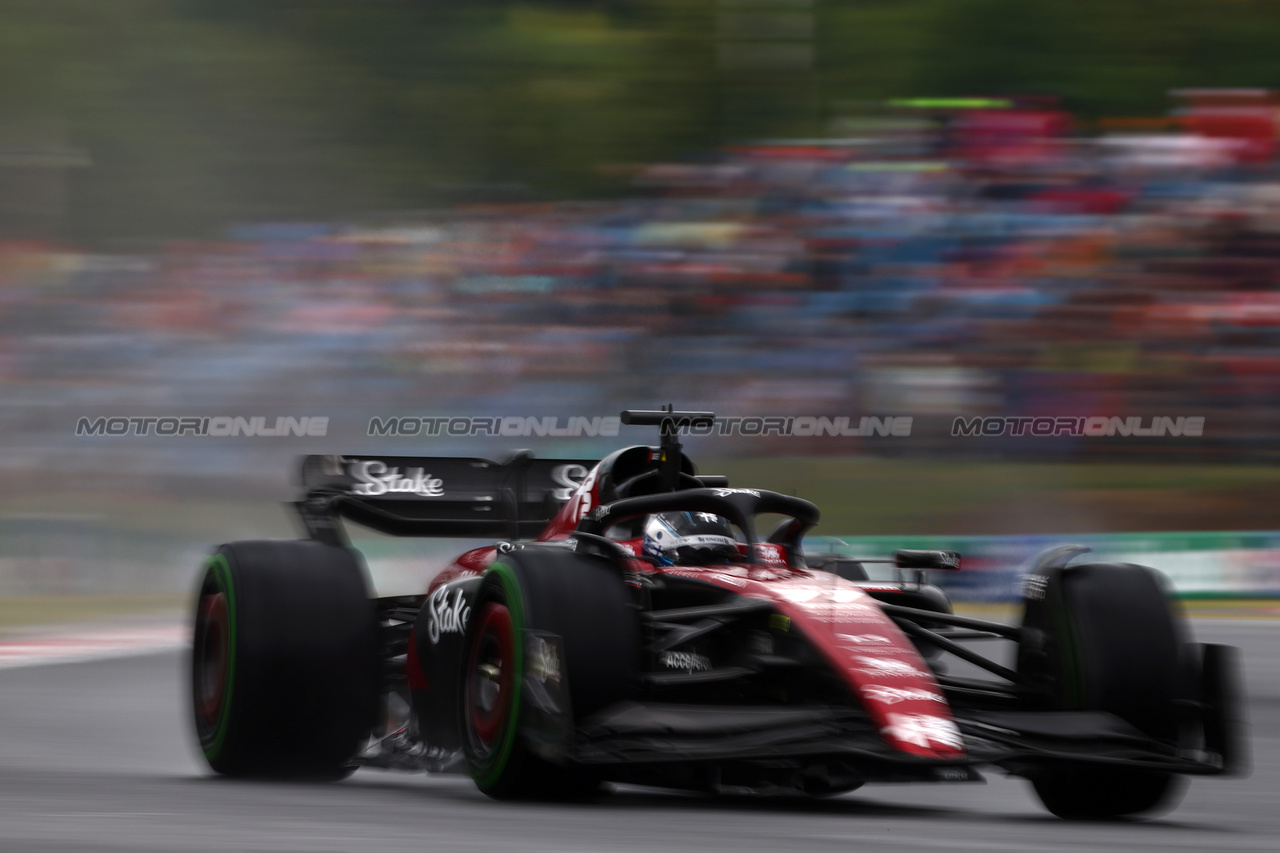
pixel 581 648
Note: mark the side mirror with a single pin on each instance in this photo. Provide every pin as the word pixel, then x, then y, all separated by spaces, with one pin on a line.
pixel 944 560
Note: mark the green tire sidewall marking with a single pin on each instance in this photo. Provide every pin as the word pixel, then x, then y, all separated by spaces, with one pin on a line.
pixel 487 776
pixel 220 571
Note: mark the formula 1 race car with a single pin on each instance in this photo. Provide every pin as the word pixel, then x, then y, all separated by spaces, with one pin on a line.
pixel 632 625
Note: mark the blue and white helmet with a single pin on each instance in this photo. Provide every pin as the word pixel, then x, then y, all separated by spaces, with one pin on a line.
pixel 690 539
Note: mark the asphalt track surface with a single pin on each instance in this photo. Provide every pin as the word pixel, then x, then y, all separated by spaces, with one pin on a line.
pixel 96 756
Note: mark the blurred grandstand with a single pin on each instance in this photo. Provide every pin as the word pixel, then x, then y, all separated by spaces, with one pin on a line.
pixel 962 257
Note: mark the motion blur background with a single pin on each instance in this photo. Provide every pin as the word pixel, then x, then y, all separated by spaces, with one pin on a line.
pixel 924 208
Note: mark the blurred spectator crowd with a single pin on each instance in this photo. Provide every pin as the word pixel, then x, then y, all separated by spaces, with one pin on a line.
pixel 984 260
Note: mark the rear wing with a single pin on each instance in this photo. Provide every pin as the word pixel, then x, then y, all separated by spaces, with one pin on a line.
pixel 436 495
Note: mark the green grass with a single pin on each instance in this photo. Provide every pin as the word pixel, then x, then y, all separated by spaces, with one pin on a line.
pixel 857 496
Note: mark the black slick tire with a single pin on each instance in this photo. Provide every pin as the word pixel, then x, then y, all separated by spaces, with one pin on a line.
pixel 579 599
pixel 284 666
pixel 1104 637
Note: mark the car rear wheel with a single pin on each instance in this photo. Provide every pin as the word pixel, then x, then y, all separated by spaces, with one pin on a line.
pixel 284 664
pixel 1103 637
pixel 573 609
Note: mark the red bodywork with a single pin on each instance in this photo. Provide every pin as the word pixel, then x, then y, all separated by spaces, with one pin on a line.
pixel 875 658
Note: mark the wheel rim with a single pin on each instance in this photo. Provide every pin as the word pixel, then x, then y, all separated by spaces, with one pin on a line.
pixel 489 677
pixel 212 652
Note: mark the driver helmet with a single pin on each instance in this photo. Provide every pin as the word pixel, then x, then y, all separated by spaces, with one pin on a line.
pixel 690 539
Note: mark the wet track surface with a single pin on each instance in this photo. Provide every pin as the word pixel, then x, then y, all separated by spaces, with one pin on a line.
pixel 97 756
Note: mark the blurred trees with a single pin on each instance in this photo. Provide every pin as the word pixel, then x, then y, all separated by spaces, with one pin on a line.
pixel 179 116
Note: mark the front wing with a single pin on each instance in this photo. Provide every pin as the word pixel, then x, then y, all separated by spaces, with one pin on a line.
pixel 1013 740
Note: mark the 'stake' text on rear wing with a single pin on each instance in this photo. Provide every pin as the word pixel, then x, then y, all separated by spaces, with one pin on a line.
pixel 438 496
